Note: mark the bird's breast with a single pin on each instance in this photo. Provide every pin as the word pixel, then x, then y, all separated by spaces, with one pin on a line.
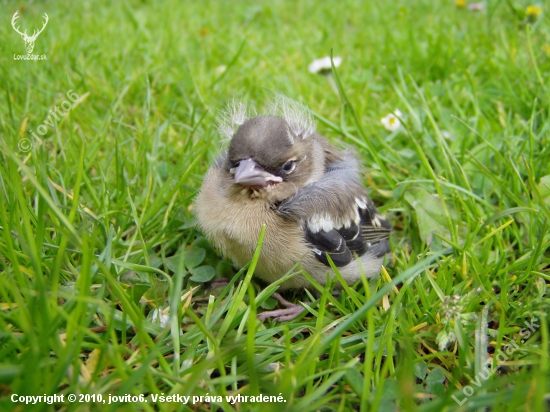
pixel 233 224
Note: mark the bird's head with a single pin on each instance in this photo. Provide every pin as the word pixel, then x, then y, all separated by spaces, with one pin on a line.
pixel 268 160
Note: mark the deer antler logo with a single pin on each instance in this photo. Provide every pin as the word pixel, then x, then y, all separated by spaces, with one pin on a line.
pixel 29 40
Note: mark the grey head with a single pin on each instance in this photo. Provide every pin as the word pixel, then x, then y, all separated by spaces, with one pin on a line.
pixel 269 159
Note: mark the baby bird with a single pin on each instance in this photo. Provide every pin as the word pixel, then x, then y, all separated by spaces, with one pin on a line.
pixel 280 172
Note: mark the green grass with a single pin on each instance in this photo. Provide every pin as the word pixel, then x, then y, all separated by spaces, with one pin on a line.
pixel 97 229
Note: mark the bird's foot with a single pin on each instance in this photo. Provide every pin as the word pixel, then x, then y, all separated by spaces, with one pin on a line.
pixel 217 283
pixel 292 310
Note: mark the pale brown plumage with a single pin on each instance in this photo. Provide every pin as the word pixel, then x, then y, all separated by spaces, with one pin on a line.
pixel 278 171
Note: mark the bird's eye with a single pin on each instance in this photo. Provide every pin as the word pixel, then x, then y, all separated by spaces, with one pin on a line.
pixel 289 166
pixel 234 165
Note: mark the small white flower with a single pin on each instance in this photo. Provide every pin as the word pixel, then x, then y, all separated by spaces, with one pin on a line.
pixel 322 66
pixel 160 317
pixel 476 6
pixel 447 135
pixel 220 69
pixel 391 122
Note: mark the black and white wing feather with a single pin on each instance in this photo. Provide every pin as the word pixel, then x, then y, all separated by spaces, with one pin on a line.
pixel 338 218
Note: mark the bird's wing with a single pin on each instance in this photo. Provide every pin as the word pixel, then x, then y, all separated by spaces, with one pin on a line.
pixel 337 216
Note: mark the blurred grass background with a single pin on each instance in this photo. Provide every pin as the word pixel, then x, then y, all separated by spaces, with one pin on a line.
pixel 103 275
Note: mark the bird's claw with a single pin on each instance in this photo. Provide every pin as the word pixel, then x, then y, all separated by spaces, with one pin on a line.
pixel 292 311
pixel 217 283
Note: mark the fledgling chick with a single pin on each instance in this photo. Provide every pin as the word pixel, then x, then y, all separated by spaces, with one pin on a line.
pixel 279 171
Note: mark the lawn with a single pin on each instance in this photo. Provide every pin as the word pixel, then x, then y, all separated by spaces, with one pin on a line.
pixel 104 141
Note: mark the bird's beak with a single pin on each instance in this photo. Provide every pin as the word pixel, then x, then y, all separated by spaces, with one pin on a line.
pixel 248 173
